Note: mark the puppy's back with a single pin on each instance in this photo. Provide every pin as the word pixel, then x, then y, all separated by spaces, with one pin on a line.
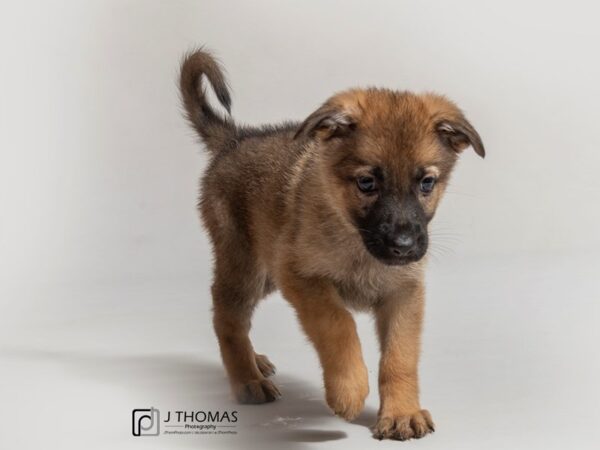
pixel 247 180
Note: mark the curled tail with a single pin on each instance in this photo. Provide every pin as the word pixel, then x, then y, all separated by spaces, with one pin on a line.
pixel 214 129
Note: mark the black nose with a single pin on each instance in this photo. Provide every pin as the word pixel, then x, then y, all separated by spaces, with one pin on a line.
pixel 404 240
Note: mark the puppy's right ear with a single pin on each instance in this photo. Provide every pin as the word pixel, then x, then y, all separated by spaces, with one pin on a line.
pixel 325 123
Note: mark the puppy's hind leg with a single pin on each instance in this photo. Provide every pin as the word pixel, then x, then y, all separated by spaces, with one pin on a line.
pixel 236 290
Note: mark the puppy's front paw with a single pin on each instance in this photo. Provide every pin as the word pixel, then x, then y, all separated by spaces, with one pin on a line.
pixel 403 427
pixel 257 391
pixel 346 394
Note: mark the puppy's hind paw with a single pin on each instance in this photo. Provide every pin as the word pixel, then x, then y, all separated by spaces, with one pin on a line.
pixel 265 366
pixel 257 391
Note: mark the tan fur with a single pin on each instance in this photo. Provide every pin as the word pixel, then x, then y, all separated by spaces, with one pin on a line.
pixel 279 210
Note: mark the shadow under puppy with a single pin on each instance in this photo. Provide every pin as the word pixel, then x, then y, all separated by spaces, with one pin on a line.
pixel 333 212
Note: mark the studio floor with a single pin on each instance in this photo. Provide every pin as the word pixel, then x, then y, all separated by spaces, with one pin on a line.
pixel 510 361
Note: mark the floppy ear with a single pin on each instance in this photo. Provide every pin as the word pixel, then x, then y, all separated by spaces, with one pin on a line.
pixel 326 122
pixel 459 134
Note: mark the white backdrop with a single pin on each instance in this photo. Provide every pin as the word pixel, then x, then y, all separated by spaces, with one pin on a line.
pixel 98 171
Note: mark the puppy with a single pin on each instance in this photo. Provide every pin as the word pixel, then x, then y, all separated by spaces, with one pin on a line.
pixel 333 212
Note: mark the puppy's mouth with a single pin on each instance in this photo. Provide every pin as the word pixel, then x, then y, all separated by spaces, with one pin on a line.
pixel 393 255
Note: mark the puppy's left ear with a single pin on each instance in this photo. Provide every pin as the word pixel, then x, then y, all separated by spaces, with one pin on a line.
pixel 460 134
pixel 325 123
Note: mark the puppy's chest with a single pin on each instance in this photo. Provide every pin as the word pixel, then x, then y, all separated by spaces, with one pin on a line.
pixel 364 290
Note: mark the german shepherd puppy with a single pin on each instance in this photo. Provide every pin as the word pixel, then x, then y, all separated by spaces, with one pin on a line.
pixel 332 211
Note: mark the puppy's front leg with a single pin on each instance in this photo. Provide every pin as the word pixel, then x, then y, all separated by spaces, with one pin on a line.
pixel 331 328
pixel 399 319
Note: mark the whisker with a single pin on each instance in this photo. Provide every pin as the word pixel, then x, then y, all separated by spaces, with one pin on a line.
pixel 365 230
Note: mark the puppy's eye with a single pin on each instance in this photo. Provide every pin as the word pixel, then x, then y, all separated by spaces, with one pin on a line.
pixel 427 184
pixel 366 184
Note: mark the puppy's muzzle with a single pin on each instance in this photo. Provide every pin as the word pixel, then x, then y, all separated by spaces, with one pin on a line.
pixel 406 240
pixel 399 244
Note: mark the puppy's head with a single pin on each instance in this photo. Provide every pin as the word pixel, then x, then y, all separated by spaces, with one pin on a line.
pixel 386 159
